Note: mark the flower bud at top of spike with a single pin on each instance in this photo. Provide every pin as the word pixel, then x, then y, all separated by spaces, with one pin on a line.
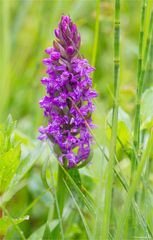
pixel 68 36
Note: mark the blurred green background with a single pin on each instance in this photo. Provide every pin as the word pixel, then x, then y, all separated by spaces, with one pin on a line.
pixel 26 30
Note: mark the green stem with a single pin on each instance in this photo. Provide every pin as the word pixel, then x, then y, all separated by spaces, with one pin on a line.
pixel 108 193
pixel 141 73
pixel 1 215
pixel 120 177
pixel 136 140
pixel 133 187
pixel 96 33
pixel 59 203
pixel 141 37
pixel 5 55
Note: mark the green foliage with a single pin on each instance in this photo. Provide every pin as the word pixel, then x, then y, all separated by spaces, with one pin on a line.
pixel 146 108
pixel 6 222
pixel 9 162
pixel 110 197
pixel 124 130
pixel 9 155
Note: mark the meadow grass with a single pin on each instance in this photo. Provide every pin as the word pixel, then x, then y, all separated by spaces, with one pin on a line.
pixel 112 197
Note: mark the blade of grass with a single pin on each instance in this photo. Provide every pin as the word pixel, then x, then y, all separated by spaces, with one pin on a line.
pixel 4 60
pixel 102 174
pixel 139 69
pixel 80 193
pixel 34 202
pixel 108 192
pixel 138 212
pixel 14 224
pixel 96 34
pixel 88 233
pixel 146 26
pixel 133 187
pixel 141 73
pixel 58 209
pixel 119 176
pixel 141 37
pixel 88 201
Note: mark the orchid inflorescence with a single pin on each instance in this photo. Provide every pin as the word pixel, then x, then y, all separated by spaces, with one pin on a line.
pixel 68 104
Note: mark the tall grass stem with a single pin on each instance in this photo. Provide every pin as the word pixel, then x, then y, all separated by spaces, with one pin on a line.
pixel 96 34
pixel 133 187
pixel 108 191
pixel 142 66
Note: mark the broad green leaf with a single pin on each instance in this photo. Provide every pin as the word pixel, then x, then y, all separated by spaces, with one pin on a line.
pixel 26 164
pixel 9 162
pixel 147 109
pixel 6 222
pixel 23 168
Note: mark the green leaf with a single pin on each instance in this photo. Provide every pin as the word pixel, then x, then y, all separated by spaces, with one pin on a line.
pixel 133 187
pixel 6 222
pixel 80 192
pixel 47 234
pixel 2 139
pixel 124 128
pixel 57 149
pixel 10 125
pixel 74 173
pixel 9 162
pixel 6 135
pixel 80 212
pixel 38 234
pixel 43 174
pixel 23 168
pixel 147 108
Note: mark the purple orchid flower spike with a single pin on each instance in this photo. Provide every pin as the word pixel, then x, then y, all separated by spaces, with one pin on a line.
pixel 68 105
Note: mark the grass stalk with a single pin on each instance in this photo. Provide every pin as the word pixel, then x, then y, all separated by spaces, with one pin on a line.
pixel 96 34
pixel 1 215
pixel 88 233
pixel 59 203
pixel 5 55
pixel 120 177
pixel 141 37
pixel 136 140
pixel 142 66
pixel 108 193
pixel 146 26
pixel 133 187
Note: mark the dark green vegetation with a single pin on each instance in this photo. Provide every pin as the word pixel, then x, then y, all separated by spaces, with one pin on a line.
pixel 114 197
